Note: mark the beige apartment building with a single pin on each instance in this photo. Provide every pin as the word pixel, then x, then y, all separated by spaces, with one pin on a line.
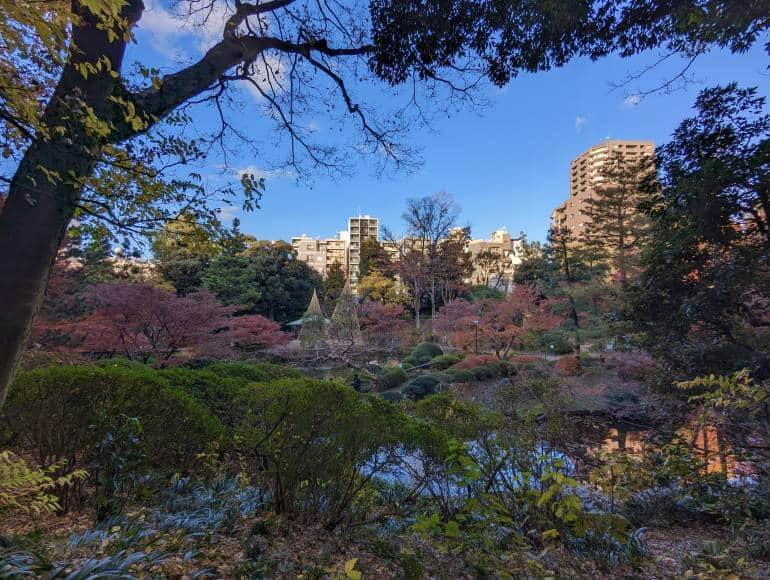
pixel 321 253
pixel 508 249
pixel 586 178
pixel 360 228
pixel 344 248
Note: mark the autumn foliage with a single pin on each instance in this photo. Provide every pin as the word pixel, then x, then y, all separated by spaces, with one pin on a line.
pixel 471 362
pixel 142 322
pixel 500 326
pixel 383 325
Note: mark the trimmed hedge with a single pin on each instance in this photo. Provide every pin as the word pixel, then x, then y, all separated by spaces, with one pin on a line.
pixel 427 350
pixel 482 372
pixel 444 361
pixel 392 396
pixel 60 413
pixel 391 377
pixel 254 372
pixel 218 394
pixel 422 354
pixel 421 387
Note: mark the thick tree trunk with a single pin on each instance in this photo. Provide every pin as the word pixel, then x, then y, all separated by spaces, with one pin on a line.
pixel 46 187
pixel 32 226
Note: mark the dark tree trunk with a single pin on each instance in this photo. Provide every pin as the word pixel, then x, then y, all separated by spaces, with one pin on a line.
pixel 46 188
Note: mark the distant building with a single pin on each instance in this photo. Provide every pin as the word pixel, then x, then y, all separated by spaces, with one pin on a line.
pixel 360 228
pixel 337 251
pixel 586 178
pixel 509 251
pixel 321 253
pixel 312 251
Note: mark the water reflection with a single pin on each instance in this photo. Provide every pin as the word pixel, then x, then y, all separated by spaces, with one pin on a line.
pixel 705 442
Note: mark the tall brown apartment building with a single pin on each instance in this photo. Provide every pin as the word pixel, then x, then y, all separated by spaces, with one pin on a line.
pixel 585 178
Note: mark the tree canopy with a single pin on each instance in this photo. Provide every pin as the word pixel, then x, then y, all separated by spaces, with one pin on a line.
pixel 702 298
pixel 93 139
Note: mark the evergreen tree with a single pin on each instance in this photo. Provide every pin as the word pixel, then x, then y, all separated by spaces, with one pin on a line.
pixel 453 264
pixel 614 222
pixel 374 257
pixel 334 283
pixel 701 300
pixel 265 280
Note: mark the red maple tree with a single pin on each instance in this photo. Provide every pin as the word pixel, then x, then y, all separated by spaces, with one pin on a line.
pixel 143 322
pixel 499 326
pixel 383 326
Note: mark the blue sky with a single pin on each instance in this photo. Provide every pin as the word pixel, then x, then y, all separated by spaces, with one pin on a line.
pixel 506 165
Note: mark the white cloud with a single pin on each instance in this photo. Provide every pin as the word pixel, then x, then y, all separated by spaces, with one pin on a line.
pixel 228 213
pixel 631 101
pixel 165 29
pixel 176 36
pixel 168 31
pixel 580 122
pixel 265 174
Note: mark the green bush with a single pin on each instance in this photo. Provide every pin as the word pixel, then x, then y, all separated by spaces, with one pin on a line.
pixel 459 419
pixel 315 437
pixel 460 375
pixel 490 370
pixel 421 387
pixel 62 413
pixel 253 372
pixel 479 293
pixel 444 361
pixel 560 340
pixel 409 362
pixel 392 396
pixel 425 351
pixel 218 394
pixel 391 377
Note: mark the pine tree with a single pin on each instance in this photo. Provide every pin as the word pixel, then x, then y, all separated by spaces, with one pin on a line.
pixel 614 222
pixel 314 332
pixel 333 284
pixel 344 327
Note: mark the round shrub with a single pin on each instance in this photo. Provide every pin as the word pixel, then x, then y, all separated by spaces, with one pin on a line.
pixel 392 396
pixel 421 387
pixel 491 370
pixel 444 361
pixel 457 375
pixel 391 377
pixel 63 412
pixel 409 362
pixel 425 351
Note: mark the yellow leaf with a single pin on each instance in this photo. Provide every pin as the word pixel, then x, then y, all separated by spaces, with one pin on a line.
pixel 350 572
